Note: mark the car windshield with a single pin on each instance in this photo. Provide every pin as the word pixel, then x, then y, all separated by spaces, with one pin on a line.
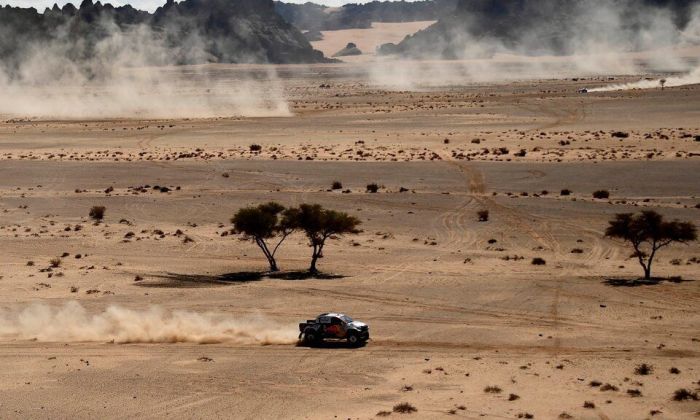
pixel 346 319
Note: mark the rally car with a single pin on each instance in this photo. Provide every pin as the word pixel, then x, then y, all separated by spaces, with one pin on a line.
pixel 333 326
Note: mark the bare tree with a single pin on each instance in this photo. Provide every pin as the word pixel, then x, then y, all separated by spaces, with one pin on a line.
pixel 647 232
pixel 263 223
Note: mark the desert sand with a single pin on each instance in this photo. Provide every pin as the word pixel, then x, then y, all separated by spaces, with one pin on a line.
pixel 367 40
pixel 454 305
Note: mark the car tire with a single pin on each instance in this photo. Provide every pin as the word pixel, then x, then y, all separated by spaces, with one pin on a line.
pixel 310 338
pixel 354 340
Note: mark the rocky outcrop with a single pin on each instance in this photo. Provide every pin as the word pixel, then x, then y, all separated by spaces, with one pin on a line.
pixel 350 49
pixel 193 31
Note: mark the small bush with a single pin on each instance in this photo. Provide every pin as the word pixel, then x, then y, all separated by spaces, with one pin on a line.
pixel 372 188
pixel 538 261
pixel 97 213
pixel 609 387
pixel 565 191
pixel 513 397
pixel 588 404
pixel 684 394
pixel 337 185
pixel 483 215
pixel 255 147
pixel 643 369
pixel 383 413
pixel 634 393
pixel 674 371
pixel 55 262
pixel 404 408
pixel 492 390
pixel 601 194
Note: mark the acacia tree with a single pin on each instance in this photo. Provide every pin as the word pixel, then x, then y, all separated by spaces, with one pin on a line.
pixel 263 223
pixel 647 232
pixel 319 224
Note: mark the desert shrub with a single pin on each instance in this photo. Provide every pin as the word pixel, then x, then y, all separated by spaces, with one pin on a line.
pixel 643 369
pixel 372 188
pixel 595 383
pixel 55 262
pixel 97 213
pixel 620 134
pixel 565 191
pixel 383 413
pixel 404 408
pixel 513 397
pixel 588 404
pixel 609 387
pixel 492 389
pixel 634 393
pixel 601 194
pixel 538 261
pixel 30 263
pixel 684 394
pixel 337 185
pixel 521 153
pixel 255 147
pixel 577 251
pixel 483 215
pixel 674 371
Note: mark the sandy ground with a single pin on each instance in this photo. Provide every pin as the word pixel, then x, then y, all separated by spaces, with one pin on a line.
pixel 367 40
pixel 454 305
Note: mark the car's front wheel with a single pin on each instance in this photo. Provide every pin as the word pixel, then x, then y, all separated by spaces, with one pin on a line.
pixel 353 339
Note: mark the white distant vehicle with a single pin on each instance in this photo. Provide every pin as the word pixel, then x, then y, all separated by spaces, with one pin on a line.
pixel 583 90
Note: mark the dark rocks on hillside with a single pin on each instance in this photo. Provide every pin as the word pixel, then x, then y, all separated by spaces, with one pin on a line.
pixel 213 27
pixel 479 28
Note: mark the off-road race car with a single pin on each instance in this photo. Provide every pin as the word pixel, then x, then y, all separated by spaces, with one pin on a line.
pixel 333 326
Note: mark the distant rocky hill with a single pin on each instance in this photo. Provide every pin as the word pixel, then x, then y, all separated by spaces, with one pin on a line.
pixel 314 17
pixel 481 27
pixel 192 31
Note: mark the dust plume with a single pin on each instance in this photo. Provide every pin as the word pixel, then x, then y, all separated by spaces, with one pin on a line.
pixel 133 73
pixel 73 323
pixel 691 78
pixel 544 39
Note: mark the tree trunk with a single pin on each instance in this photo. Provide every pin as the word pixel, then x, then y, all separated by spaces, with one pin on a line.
pixel 312 268
pixel 318 249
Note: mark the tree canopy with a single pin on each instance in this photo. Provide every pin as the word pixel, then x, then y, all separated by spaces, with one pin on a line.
pixel 262 223
pixel 319 224
pixel 648 232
